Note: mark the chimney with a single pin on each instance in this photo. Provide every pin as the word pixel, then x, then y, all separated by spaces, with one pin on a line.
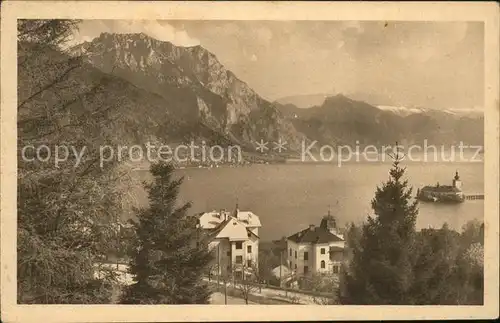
pixel 311 227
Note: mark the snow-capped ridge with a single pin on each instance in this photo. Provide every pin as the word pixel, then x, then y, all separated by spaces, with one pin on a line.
pixel 401 110
pixel 406 111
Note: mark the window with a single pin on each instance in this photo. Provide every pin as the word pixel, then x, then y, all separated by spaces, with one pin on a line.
pixel 306 255
pixel 228 253
pixel 322 251
pixel 249 262
pixel 295 266
pixel 322 264
pixel 290 262
pixel 239 259
pixel 249 249
pixel 335 269
pixel 239 245
pixel 306 269
pixel 290 252
pixel 295 254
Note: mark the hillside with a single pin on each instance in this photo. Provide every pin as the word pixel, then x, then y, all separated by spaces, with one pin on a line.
pixel 198 88
pixel 303 101
pixel 341 120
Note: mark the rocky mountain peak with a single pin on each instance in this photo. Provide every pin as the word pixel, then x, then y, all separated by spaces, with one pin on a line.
pixel 192 79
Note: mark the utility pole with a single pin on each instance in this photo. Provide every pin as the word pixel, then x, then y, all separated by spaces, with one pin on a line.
pixel 286 290
pixel 118 232
pixel 225 290
pixel 281 265
pixel 218 265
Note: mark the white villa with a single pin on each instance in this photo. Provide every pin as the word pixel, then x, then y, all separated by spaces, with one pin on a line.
pixel 234 238
pixel 316 249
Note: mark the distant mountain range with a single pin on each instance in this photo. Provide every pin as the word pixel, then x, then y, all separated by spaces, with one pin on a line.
pixel 309 100
pixel 173 93
pixel 304 101
pixel 340 120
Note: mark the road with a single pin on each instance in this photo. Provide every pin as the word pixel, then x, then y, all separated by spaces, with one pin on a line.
pixel 275 294
pixel 218 299
pixel 281 295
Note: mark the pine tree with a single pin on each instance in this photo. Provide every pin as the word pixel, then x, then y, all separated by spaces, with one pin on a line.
pixel 170 255
pixel 381 271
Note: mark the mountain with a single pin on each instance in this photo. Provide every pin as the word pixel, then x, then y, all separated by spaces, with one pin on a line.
pixel 119 103
pixel 401 111
pixel 405 111
pixel 310 100
pixel 375 99
pixel 196 86
pixel 193 86
pixel 303 101
pixel 341 120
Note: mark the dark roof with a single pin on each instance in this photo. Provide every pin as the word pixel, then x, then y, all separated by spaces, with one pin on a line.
pixel 212 233
pixel 440 188
pixel 315 235
pixel 251 232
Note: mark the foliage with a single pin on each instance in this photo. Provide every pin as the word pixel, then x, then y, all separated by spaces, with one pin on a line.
pixel 389 262
pixel 325 286
pixel 267 263
pixel 271 255
pixel 169 256
pixel 64 211
pixel 381 269
pixel 249 282
pixel 435 277
pixel 449 269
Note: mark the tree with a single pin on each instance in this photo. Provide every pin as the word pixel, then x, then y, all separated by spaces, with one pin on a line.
pixel 381 271
pixel 169 258
pixel 449 267
pixel 325 288
pixel 64 211
pixel 472 232
pixel 248 284
pixel 266 263
pixel 435 280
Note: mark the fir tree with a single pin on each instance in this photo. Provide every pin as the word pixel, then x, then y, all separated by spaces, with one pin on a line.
pixel 169 257
pixel 381 271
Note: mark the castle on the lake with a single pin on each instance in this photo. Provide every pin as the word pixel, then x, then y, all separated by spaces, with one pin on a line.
pixel 443 193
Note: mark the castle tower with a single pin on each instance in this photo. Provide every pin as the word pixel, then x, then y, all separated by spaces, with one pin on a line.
pixel 457 183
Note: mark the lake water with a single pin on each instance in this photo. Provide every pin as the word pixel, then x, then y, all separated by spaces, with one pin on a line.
pixel 289 197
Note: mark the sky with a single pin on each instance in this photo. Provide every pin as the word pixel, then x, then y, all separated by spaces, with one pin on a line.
pixel 424 64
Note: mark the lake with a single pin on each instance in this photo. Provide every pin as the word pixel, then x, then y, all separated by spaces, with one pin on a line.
pixel 289 197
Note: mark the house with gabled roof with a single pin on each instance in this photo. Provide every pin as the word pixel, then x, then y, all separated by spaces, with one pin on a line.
pixel 233 237
pixel 316 249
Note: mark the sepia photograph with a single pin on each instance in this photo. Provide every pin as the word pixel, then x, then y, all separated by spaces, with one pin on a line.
pixel 247 160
